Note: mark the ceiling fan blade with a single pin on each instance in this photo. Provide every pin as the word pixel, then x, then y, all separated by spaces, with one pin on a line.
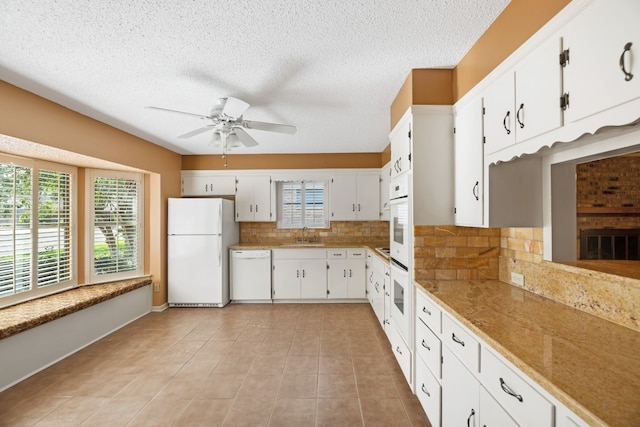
pixel 179 112
pixel 234 108
pixel 270 127
pixel 195 132
pixel 244 137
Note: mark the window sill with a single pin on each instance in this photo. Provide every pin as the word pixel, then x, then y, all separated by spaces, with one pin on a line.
pixel 21 317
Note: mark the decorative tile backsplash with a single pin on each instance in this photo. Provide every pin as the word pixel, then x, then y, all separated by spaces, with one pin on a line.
pixel 456 253
pixel 372 232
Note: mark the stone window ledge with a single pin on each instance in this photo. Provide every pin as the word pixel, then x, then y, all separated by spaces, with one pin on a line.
pixel 21 317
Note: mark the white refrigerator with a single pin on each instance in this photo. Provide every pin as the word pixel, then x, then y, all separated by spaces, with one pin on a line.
pixel 199 234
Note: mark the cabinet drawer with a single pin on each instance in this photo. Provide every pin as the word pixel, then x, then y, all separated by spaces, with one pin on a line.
pixel 356 253
pixel 337 254
pixel 429 393
pixel 401 352
pixel 429 313
pixel 429 348
pixel 515 393
pixel 462 343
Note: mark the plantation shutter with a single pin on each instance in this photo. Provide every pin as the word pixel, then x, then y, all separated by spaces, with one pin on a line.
pixel 54 227
pixel 302 204
pixel 15 228
pixel 116 210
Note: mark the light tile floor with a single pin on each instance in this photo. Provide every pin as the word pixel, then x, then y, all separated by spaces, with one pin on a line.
pixel 242 365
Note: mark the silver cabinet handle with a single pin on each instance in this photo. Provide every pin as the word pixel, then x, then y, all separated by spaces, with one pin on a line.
pixel 398 350
pixel 425 391
pixel 424 344
pixel 473 412
pixel 457 340
pixel 424 310
pixel 627 75
pixel 507 390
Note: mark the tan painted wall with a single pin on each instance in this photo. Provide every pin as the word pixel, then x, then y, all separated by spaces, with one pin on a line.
pixel 517 22
pixel 30 117
pixel 423 87
pixel 284 161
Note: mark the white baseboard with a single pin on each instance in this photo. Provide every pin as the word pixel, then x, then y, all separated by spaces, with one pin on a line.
pixel 159 308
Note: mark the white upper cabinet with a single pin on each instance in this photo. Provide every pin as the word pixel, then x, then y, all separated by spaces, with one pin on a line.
pixel 254 199
pixel 385 181
pixel 208 185
pixel 469 165
pixel 499 121
pixel 538 80
pixel 355 197
pixel 400 138
pixel 603 66
pixel 525 102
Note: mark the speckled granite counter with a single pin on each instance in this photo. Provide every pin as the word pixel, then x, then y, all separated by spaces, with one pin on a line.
pixel 589 364
pixel 27 315
pixel 303 246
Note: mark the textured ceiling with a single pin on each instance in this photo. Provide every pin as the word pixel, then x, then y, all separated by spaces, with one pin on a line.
pixel 331 68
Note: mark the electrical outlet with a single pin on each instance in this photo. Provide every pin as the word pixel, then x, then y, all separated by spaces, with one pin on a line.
pixel 156 287
pixel 517 279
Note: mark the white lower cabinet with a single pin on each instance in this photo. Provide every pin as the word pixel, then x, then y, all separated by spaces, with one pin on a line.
pixel 460 393
pixel 478 387
pixel 514 393
pixel 401 352
pixel 491 413
pixel 428 391
pixel 346 274
pixel 299 274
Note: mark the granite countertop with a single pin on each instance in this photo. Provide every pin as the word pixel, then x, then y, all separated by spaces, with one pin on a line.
pixel 302 245
pixel 20 317
pixel 589 364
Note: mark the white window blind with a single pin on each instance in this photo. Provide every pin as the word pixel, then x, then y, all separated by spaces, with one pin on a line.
pixel 54 227
pixel 302 204
pixel 117 230
pixel 15 229
pixel 36 234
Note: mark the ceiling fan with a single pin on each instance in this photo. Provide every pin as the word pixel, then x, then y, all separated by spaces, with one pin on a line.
pixel 228 125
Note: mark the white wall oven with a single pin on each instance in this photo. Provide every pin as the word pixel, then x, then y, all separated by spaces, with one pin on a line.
pixel 400 300
pixel 400 239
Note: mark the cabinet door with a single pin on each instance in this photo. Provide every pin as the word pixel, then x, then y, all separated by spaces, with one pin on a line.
pixel 286 279
pixel 314 279
pixel 499 120
pixel 208 185
pixel 401 147
pixel 368 197
pixel 357 282
pixel 602 40
pixel 262 198
pixel 538 90
pixel 491 413
pixel 429 393
pixel 376 294
pixel 337 279
pixel 244 199
pixel 469 164
pixel 385 175
pixel 343 197
pixel 460 393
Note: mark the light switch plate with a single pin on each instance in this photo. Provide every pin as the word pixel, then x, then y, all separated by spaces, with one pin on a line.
pixel 517 279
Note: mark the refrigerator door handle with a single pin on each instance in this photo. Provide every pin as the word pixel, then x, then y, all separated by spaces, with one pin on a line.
pixel 219 251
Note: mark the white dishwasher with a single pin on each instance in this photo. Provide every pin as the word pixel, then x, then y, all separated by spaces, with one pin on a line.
pixel 251 275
